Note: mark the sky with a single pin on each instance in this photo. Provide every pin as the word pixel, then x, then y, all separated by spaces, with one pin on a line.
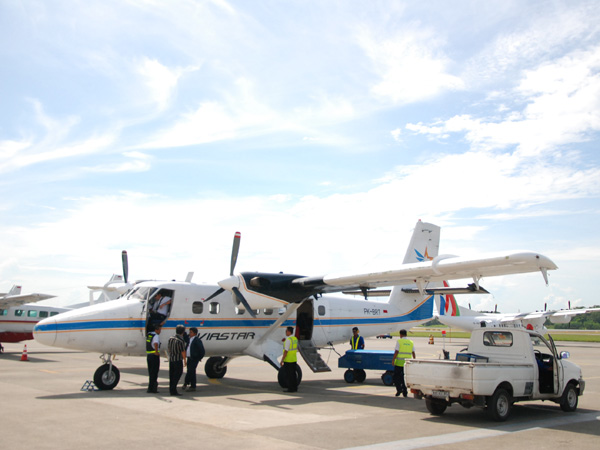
pixel 321 130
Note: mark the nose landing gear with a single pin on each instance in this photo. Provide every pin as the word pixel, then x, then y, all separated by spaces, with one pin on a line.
pixel 106 376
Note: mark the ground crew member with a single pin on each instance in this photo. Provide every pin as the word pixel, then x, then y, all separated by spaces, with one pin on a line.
pixel 153 357
pixel 404 350
pixel 289 360
pixel 195 353
pixel 356 341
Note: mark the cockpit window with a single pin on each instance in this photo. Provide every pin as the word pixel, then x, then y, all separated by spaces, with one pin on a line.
pixel 142 293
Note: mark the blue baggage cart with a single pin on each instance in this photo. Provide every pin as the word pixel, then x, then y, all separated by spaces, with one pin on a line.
pixel 357 361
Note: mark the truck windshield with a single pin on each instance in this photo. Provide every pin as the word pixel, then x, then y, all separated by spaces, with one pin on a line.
pixel 141 293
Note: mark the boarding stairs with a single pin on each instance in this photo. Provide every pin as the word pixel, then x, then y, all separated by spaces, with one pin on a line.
pixel 312 356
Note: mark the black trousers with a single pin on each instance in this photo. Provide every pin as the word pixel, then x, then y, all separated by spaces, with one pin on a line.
pixel 399 380
pixel 175 372
pixel 289 370
pixel 190 376
pixel 153 367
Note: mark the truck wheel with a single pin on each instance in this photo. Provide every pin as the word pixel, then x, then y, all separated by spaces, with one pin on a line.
pixel 106 378
pixel 499 405
pixel 360 375
pixel 388 378
pixel 349 376
pixel 569 399
pixel 435 407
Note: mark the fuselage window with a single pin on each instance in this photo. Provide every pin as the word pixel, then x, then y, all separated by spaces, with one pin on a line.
pixel 197 307
pixel 268 312
pixel 53 313
pixel 3 312
pixel 214 308
pixel 239 311
pixel 321 310
pixel 43 313
pixel 32 313
pixel 19 312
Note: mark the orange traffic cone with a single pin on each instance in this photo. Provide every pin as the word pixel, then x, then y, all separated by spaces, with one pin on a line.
pixel 24 355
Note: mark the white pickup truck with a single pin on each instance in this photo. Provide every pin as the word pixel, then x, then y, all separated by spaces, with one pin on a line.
pixel 500 367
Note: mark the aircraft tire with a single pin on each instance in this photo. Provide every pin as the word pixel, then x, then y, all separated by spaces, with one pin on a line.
pixel 106 379
pixel 213 367
pixel 281 377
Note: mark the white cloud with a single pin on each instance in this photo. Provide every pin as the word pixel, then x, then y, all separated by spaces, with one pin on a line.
pixel 409 64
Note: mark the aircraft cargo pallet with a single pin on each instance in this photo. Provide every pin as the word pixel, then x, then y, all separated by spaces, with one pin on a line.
pixel 357 361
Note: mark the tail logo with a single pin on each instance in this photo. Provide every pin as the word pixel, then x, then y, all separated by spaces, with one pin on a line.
pixel 448 305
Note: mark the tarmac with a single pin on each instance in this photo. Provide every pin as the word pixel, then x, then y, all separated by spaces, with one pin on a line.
pixel 43 407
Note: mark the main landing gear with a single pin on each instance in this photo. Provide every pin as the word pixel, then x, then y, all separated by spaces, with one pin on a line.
pixel 107 376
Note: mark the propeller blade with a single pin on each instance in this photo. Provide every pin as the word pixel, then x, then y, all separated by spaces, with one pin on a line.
pixel 243 301
pixel 214 294
pixel 234 251
pixel 125 265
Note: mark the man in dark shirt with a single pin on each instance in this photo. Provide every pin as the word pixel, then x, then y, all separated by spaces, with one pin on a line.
pixel 195 353
pixel 177 358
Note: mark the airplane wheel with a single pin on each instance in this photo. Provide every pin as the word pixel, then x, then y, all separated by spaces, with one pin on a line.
pixel 349 376
pixel 388 378
pixel 106 379
pixel 281 377
pixel 360 375
pixel 213 367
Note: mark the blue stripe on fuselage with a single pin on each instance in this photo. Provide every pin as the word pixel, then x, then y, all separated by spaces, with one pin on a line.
pixel 422 312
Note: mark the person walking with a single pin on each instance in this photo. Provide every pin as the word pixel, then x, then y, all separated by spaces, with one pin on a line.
pixel 153 357
pixel 289 360
pixel 195 353
pixel 177 358
pixel 404 349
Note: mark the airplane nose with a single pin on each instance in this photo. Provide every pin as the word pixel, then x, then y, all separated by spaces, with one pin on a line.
pixel 45 331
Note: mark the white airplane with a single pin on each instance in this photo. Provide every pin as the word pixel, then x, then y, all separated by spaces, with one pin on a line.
pixel 19 313
pixel 455 316
pixel 251 318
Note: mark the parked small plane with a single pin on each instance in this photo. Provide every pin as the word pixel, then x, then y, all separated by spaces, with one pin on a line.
pixel 250 318
pixel 19 313
pixel 453 315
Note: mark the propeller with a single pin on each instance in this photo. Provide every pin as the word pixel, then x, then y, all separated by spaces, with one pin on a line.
pixel 125 265
pixel 232 283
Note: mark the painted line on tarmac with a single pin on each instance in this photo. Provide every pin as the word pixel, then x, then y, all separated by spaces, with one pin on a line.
pixel 463 436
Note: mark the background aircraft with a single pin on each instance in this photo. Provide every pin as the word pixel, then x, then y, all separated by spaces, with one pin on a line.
pixel 251 318
pixel 19 313
pixel 453 315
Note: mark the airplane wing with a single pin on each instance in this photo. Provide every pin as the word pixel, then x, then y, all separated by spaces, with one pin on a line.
pixel 17 300
pixel 264 290
pixel 444 268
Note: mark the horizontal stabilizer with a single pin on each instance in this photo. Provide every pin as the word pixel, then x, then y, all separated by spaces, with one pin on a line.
pixel 470 289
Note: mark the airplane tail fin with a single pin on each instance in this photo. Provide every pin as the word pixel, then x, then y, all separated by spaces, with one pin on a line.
pixel 15 290
pixel 424 245
pixel 447 306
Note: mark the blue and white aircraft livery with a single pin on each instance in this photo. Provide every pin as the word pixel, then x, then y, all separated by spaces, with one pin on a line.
pixel 247 313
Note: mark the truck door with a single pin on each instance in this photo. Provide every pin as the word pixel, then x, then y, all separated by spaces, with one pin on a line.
pixel 558 367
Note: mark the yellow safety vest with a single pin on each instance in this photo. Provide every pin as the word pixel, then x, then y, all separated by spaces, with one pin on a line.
pixel 354 342
pixel 405 349
pixel 291 355
pixel 149 346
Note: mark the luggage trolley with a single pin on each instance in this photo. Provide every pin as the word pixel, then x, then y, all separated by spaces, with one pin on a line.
pixel 356 361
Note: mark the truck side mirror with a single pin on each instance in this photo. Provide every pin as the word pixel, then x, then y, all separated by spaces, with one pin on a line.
pixel 565 355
